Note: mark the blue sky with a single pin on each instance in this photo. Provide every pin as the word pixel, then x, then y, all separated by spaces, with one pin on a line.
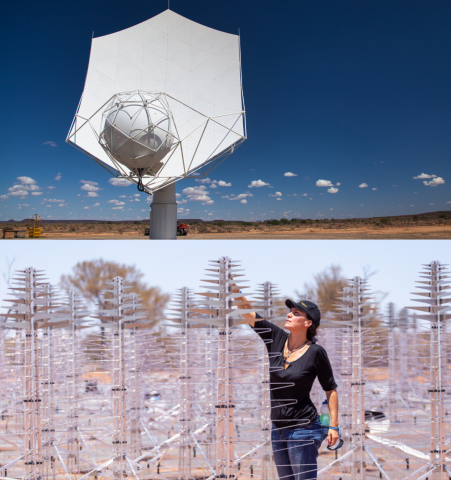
pixel 396 263
pixel 347 102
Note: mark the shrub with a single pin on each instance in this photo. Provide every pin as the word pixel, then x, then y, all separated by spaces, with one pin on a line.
pixel 284 221
pixel 247 224
pixel 275 222
pixel 442 215
pixel 220 224
pixel 385 220
pixel 303 221
pixel 415 217
pixel 136 223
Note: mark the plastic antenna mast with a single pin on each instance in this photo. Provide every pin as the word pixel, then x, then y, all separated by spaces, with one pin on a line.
pixel 31 314
pixel 435 286
pixel 355 306
pixel 225 289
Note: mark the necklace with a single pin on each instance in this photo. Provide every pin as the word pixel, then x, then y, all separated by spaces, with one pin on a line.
pixel 294 349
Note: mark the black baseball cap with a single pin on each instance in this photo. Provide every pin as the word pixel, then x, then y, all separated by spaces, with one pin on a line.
pixel 310 308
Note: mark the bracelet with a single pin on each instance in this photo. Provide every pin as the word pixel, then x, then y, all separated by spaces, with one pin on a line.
pixel 334 428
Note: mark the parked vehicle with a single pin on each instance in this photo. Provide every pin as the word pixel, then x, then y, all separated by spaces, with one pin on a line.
pixel 182 229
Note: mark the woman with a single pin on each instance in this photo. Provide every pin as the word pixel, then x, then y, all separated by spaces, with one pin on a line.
pixel 295 360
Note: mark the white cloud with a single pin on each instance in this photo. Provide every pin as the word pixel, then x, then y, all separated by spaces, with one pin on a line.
pixel 203 180
pixel 149 199
pixel 58 177
pixel 117 208
pixel 277 194
pixel 96 204
pixel 138 195
pixel 243 201
pixel 92 194
pixel 13 192
pixel 222 183
pixel 225 196
pixel 257 183
pixel 36 193
pixel 122 196
pixel 200 190
pixel 27 184
pixel 324 183
pixel 363 185
pixel 23 205
pixel 119 182
pixel 332 190
pixel 4 197
pixel 423 176
pixel 330 208
pixel 199 198
pixel 213 185
pixel 89 182
pixel 434 182
pixel 374 188
pixel 53 200
pixel 51 187
pixel 181 201
pixel 210 214
pixel 289 174
pixel 64 204
pixel 49 142
pixel 88 187
pixel 26 180
pixel 241 196
pixel 338 184
pixel 278 198
pixel 116 202
pixel 86 208
pixel 198 194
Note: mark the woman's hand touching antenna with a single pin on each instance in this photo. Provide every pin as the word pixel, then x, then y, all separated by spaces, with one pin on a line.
pixel 244 305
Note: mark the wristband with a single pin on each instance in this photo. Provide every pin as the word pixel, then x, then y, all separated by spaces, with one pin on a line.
pixel 335 428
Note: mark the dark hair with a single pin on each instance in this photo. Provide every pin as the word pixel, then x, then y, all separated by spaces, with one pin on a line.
pixel 311 332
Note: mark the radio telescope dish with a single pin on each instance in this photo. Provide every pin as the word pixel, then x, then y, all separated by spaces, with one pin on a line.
pixel 162 101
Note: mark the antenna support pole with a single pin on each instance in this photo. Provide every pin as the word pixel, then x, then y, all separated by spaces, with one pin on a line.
pixel 163 214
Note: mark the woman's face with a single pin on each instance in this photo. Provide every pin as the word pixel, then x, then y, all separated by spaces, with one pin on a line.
pixel 297 320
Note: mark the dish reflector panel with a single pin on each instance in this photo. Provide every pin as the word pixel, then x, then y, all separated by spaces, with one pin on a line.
pixel 193 75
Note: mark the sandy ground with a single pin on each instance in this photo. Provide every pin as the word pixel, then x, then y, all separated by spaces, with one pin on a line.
pixel 388 233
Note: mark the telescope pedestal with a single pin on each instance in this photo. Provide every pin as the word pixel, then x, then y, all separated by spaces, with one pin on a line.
pixel 163 214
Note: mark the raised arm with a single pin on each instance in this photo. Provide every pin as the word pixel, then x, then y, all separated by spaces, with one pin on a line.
pixel 245 305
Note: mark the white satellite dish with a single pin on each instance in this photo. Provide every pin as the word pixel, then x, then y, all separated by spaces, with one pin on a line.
pixel 162 101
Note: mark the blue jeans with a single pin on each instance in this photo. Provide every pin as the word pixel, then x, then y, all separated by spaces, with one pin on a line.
pixel 296 450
